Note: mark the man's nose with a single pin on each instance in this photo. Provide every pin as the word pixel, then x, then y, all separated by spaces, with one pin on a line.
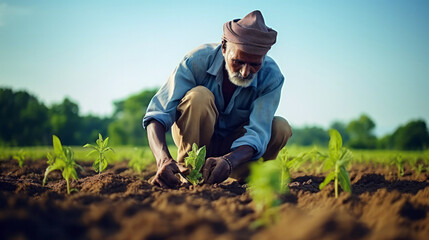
pixel 245 70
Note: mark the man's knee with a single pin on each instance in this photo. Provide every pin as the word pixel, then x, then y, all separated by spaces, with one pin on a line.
pixel 200 95
pixel 282 128
pixel 280 134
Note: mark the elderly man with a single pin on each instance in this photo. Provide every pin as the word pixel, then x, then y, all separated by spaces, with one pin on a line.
pixel 223 97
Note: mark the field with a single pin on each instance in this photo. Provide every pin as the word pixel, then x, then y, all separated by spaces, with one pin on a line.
pixel 121 204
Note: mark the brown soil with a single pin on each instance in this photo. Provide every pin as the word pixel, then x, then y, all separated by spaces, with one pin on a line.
pixel 120 204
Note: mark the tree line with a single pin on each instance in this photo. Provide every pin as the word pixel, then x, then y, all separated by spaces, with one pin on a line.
pixel 359 134
pixel 26 121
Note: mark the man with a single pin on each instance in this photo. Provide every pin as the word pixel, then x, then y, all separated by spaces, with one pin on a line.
pixel 222 97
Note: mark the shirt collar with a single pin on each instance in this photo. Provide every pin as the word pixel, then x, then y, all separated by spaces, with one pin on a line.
pixel 217 67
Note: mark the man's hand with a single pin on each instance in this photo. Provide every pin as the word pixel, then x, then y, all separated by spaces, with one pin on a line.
pixel 165 176
pixel 216 170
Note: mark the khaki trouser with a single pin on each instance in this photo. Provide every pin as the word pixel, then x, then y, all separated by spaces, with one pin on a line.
pixel 197 116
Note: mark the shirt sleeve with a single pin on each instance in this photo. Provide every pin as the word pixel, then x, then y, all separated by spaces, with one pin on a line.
pixel 258 131
pixel 163 105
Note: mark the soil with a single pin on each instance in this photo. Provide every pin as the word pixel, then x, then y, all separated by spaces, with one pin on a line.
pixel 120 204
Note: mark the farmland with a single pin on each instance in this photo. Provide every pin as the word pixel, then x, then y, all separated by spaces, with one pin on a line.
pixel 389 200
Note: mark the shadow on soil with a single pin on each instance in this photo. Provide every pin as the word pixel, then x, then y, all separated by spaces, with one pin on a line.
pixel 373 182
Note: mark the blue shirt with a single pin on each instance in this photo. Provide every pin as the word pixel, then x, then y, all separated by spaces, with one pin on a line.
pixel 255 104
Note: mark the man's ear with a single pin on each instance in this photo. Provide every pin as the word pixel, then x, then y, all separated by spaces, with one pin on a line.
pixel 223 47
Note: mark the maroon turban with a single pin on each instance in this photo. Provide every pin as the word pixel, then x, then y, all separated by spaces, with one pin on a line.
pixel 250 33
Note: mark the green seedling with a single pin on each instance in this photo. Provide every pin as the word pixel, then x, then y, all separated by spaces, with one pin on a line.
pixel 418 168
pixel 139 162
pixel 336 163
pixel 100 164
pixel 20 157
pixel 62 159
pixel 195 161
pixel 398 161
pixel 265 186
pixel 286 165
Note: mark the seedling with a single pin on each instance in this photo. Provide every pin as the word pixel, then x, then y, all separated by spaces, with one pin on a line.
pixel 63 160
pixel 265 184
pixel 195 161
pixel 286 165
pixel 336 162
pixel 139 162
pixel 399 163
pixel 418 168
pixel 100 164
pixel 20 157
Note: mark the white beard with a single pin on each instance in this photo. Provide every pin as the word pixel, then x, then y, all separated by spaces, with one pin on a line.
pixel 237 79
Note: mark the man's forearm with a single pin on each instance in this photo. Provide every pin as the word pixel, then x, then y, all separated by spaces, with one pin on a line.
pixel 241 155
pixel 157 142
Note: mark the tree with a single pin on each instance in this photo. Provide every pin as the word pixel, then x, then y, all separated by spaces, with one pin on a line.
pixel 308 136
pixel 23 119
pixel 91 126
pixel 413 136
pixel 126 128
pixel 361 135
pixel 66 122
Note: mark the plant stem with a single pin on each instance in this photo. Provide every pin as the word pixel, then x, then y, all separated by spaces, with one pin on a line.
pixel 99 164
pixel 68 186
pixel 336 180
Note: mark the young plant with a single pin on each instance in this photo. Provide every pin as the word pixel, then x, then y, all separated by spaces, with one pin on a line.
pixel 195 161
pixel 398 161
pixel 265 185
pixel 20 157
pixel 336 162
pixel 139 162
pixel 286 165
pixel 100 164
pixel 418 168
pixel 63 160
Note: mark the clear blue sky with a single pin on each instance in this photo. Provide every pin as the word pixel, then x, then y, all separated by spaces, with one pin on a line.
pixel 340 58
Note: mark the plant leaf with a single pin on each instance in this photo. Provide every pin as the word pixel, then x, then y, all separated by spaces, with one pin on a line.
pixel 344 179
pixel 58 148
pixel 95 165
pixel 335 143
pixel 92 152
pixel 103 163
pixel 328 179
pixel 200 159
pixel 106 141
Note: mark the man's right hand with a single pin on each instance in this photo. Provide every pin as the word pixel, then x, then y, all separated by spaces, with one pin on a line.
pixel 165 176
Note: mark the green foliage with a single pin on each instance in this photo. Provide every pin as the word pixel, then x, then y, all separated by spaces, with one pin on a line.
pixel 23 119
pixel 309 136
pixel 126 128
pixel 139 161
pixel 195 161
pixel 100 164
pixel 65 121
pixel 361 136
pixel 20 157
pixel 62 159
pixel 265 185
pixel 412 136
pixel 336 163
pixel 286 165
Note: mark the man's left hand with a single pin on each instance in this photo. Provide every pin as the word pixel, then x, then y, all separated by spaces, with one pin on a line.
pixel 216 170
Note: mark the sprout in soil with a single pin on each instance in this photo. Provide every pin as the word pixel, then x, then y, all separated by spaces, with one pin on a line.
pixel 336 162
pixel 100 164
pixel 20 157
pixel 62 159
pixel 195 161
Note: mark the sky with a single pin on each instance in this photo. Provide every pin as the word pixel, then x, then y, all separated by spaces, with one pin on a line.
pixel 340 59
